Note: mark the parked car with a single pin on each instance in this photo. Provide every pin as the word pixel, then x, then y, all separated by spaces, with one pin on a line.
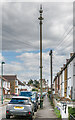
pixel 33 96
pixel 20 106
pixel 34 99
pixel 39 95
pixel 44 94
pixel 26 93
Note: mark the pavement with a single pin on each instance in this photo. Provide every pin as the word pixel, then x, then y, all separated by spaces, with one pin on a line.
pixel 2 112
pixel 3 109
pixel 47 112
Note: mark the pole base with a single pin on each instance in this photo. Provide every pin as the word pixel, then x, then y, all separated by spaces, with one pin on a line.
pixel 41 103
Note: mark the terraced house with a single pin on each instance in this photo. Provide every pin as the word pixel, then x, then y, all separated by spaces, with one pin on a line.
pixel 14 84
pixel 6 86
pixel 64 82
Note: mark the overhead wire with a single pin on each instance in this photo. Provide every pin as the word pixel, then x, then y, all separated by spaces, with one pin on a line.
pixel 63 42
pixel 29 44
pixel 64 38
pixel 67 39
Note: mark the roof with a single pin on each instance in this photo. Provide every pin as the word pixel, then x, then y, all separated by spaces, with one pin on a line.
pixel 10 77
pixel 3 78
pixel 20 97
pixel 20 83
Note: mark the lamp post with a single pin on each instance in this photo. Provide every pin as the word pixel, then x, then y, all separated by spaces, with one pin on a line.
pixel 47 85
pixel 41 18
pixel 2 81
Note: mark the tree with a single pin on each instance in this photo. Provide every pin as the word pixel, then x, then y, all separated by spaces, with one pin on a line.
pixel 24 82
pixel 36 83
pixel 30 82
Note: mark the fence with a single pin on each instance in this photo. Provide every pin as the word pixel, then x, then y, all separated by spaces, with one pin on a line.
pixel 71 117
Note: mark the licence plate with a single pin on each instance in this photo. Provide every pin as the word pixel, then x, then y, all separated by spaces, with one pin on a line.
pixel 18 107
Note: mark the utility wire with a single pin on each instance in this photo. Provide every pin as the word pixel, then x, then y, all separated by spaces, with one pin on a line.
pixel 66 45
pixel 64 38
pixel 63 43
pixel 29 44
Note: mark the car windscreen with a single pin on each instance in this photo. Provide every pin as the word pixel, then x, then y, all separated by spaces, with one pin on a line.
pixel 19 101
pixel 27 94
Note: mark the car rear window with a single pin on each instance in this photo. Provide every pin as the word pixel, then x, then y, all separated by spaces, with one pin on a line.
pixel 19 101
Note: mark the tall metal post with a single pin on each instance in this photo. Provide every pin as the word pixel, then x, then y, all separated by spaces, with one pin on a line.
pixel 2 82
pixel 51 67
pixel 41 18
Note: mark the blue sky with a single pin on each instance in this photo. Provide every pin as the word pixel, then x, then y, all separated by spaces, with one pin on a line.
pixel 11 55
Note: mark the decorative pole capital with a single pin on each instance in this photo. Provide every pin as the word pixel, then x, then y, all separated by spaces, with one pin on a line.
pixel 40 11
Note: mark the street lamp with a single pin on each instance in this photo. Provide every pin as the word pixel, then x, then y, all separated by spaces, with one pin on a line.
pixel 2 81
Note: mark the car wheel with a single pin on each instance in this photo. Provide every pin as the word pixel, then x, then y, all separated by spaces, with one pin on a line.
pixel 31 118
pixel 33 112
pixel 35 109
pixel 8 116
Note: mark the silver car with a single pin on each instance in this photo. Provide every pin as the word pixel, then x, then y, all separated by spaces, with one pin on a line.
pixel 20 106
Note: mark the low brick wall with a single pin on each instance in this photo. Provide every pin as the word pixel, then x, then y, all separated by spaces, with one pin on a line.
pixel 8 96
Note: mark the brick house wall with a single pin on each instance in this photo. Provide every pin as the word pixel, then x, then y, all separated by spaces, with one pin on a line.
pixel 65 83
pixel 12 86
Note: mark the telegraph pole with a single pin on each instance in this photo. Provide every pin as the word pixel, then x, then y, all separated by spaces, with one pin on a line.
pixel 41 18
pixel 50 53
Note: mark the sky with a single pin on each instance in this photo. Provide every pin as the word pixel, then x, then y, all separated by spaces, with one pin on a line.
pixel 21 37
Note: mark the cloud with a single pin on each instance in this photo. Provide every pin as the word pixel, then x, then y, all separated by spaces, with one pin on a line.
pixel 20 24
pixel 37 1
pixel 20 33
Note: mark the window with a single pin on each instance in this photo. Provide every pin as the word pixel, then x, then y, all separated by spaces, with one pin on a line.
pixel 9 84
pixel 15 90
pixel 16 82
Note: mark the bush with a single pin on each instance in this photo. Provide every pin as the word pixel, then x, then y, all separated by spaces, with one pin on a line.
pixel 35 89
pixel 49 92
pixel 57 112
pixel 73 100
pixel 71 111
